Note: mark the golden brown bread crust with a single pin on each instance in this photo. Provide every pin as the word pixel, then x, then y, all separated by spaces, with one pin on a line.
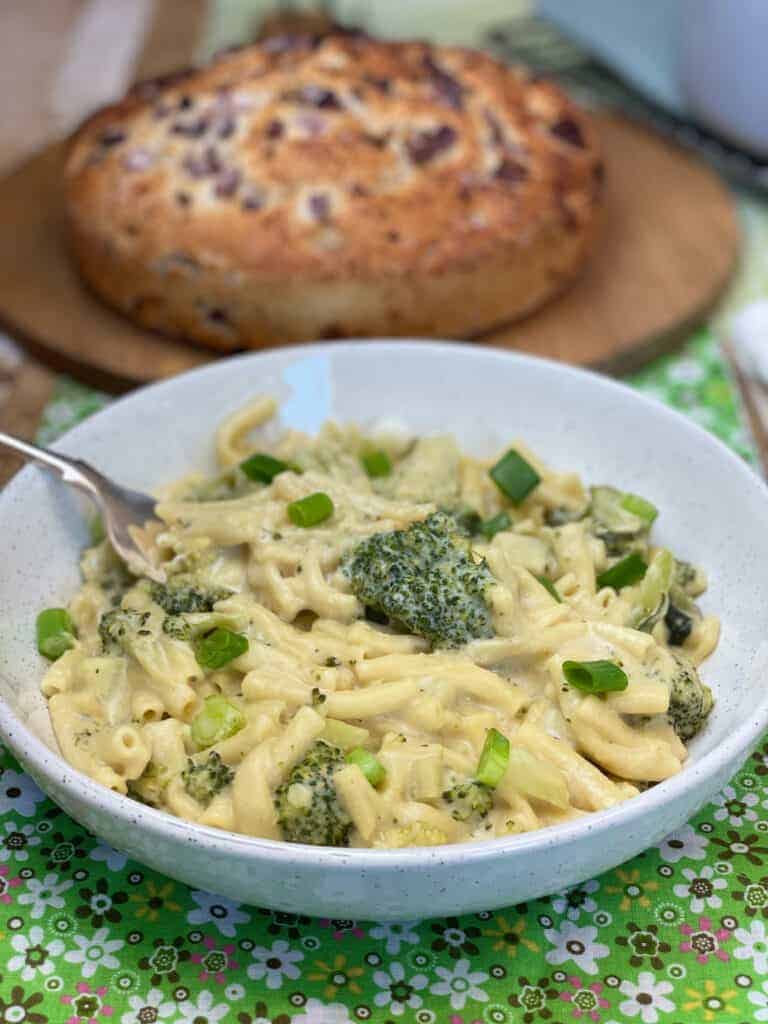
pixel 304 188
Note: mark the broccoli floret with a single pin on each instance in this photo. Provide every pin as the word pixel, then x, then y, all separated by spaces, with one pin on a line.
pixel 118 627
pixel 469 800
pixel 468 522
pixel 177 628
pixel 182 594
pixel 426 579
pixel 307 804
pixel 204 779
pixel 690 700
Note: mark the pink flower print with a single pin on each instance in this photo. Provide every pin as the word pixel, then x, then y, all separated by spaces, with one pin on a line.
pixel 586 1000
pixel 216 961
pixel 456 1019
pixel 705 942
pixel 7 883
pixel 88 1005
pixel 342 928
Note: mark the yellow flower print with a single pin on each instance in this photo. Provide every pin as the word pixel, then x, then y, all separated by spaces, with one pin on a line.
pixel 337 976
pixel 509 937
pixel 709 1003
pixel 634 890
pixel 156 899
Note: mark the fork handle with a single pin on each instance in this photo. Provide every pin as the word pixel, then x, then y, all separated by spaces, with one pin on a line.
pixel 72 471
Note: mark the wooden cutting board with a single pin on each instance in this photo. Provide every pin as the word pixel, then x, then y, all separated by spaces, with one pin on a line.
pixel 669 242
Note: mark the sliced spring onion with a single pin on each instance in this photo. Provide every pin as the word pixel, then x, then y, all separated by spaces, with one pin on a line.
pixel 216 721
pixel 310 511
pixel 376 463
pixel 369 765
pixel 624 573
pixel 595 676
pixel 490 527
pixel 514 476
pixel 55 632
pixel 263 468
pixel 219 647
pixel 494 759
pixel 653 592
pixel 550 587
pixel 342 734
pixel 532 777
pixel 639 507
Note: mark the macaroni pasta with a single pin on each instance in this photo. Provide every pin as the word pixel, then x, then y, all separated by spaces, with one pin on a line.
pixel 281 686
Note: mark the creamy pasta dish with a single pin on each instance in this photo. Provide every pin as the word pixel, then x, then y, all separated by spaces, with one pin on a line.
pixel 370 639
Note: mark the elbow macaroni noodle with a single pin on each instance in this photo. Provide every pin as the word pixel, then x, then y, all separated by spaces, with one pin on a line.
pixel 316 667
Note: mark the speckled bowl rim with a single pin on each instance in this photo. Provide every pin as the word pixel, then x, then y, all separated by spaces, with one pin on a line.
pixel 44 762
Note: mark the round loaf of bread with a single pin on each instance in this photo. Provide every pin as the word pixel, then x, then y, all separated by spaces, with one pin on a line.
pixel 309 188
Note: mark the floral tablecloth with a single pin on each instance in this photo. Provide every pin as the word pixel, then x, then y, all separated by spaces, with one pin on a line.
pixel 677 935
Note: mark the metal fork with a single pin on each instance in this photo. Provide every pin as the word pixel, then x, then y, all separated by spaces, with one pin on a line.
pixel 124 512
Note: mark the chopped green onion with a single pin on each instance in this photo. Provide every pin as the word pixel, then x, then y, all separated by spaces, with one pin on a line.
pixel 550 587
pixel 219 647
pixel 369 765
pixel 376 463
pixel 494 759
pixel 653 592
pixel 595 676
pixel 342 734
pixel 310 511
pixel 55 632
pixel 624 573
pixel 216 721
pixel 639 507
pixel 514 476
pixel 263 468
pixel 490 527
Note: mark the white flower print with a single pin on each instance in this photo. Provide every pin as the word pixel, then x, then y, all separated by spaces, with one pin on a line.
pixel 686 371
pixel 204 1011
pixel 142 1008
pixel 32 955
pixel 275 964
pixel 93 951
pixel 316 1012
pixel 577 944
pixel 218 910
pixel 701 885
pixel 114 860
pixel 18 793
pixel 397 991
pixel 753 945
pixel 396 933
pixel 576 901
pixel 760 999
pixel 686 844
pixel 17 840
pixel 737 809
pixel 647 998
pixel 460 984
pixel 45 893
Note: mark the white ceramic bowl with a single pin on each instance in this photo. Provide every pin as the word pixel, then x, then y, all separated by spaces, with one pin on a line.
pixel 714 512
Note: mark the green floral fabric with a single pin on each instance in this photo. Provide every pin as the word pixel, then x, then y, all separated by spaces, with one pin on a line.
pixel 677 935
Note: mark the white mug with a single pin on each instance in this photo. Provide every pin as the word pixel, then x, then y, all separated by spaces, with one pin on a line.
pixel 724 68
